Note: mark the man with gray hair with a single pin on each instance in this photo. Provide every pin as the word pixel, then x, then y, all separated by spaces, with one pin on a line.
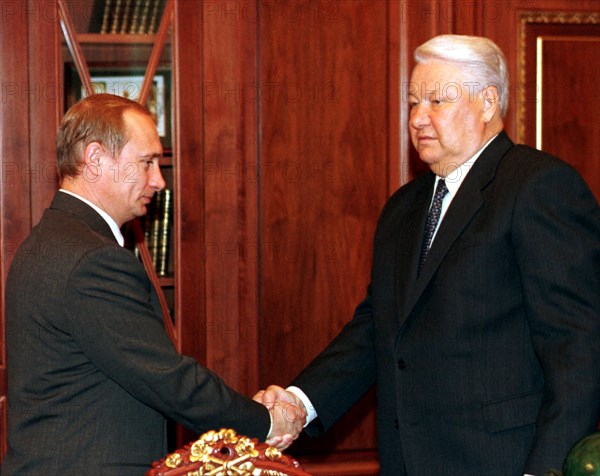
pixel 481 325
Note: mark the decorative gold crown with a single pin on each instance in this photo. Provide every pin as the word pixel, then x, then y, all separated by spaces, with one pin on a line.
pixel 225 453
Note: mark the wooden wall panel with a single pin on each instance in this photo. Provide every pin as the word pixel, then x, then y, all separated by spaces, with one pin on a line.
pixel 506 29
pixel 188 196
pixel 229 165
pixel 559 65
pixel 323 71
pixel 15 200
pixel 45 100
pixel 570 120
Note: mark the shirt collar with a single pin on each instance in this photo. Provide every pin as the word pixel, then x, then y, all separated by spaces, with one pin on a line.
pixel 107 218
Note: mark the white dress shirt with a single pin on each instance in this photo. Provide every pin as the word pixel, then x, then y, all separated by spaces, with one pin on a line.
pixel 453 182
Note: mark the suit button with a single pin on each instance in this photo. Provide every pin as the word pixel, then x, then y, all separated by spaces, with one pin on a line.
pixel 401 364
pixel 396 424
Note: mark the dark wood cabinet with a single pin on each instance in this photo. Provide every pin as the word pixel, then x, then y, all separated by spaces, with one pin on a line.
pixel 287 134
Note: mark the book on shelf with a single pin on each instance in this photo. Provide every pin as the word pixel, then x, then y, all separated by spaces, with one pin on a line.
pixel 164 240
pixel 126 16
pixel 157 225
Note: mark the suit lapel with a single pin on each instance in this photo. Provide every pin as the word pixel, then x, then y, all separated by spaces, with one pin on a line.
pixel 464 206
pixel 409 240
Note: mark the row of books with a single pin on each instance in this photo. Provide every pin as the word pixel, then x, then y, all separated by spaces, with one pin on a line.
pixel 157 225
pixel 127 16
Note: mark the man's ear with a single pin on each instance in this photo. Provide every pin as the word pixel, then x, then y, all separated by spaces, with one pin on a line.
pixel 92 158
pixel 491 103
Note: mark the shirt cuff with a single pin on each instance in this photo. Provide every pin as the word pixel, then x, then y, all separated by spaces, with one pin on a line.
pixel 270 426
pixel 311 413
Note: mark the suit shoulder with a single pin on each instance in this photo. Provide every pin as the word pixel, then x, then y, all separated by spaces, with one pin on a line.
pixel 524 156
pixel 61 225
pixel 60 238
pixel 525 164
pixel 531 171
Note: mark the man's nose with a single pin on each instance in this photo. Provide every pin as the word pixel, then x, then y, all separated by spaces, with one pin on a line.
pixel 419 116
pixel 157 180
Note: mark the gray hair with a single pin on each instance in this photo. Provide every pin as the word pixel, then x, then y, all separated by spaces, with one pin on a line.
pixel 480 57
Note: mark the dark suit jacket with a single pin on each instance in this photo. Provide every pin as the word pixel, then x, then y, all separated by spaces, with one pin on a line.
pixel 489 362
pixel 91 372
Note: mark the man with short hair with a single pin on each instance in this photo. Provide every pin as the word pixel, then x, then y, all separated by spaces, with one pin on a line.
pixel 92 374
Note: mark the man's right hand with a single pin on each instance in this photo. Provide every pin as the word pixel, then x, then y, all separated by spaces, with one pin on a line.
pixel 288 415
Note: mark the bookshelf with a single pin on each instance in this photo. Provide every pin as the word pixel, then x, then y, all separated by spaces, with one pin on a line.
pixel 127 16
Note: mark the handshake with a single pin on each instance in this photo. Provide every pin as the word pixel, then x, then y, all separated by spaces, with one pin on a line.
pixel 288 415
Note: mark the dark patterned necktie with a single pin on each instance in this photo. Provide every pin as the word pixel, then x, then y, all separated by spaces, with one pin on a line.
pixel 432 220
